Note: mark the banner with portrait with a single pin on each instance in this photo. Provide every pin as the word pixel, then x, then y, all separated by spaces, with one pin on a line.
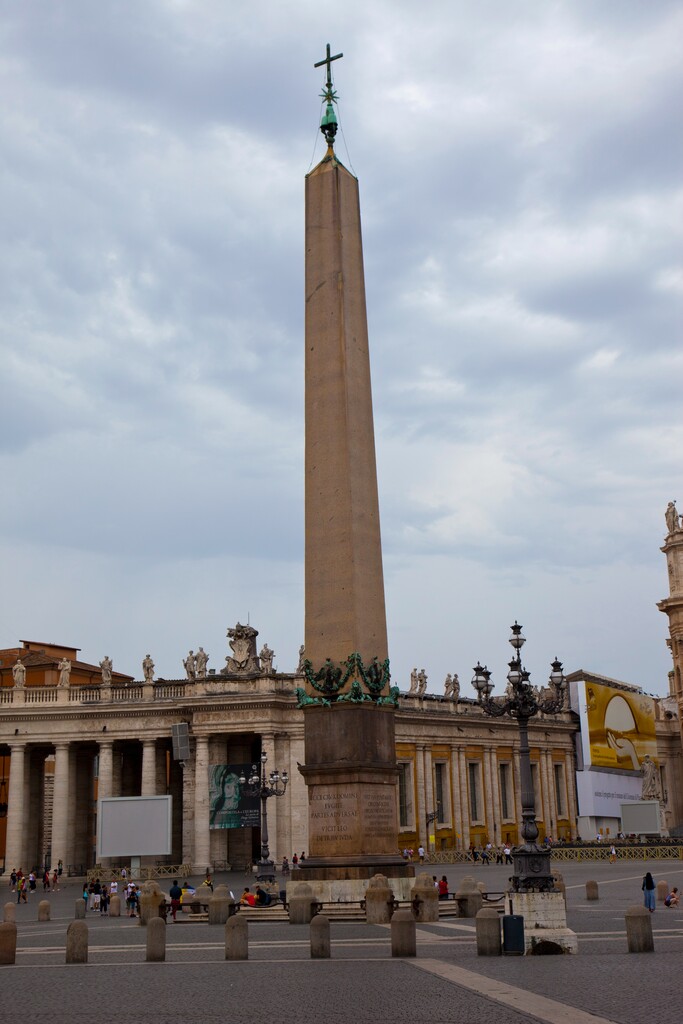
pixel 229 805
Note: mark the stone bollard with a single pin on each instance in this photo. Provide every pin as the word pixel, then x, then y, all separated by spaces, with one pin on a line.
pixel 403 940
pixel 662 891
pixel 559 885
pixel 194 905
pixel 8 942
pixel 469 897
pixel 156 941
pixel 151 901
pixel 77 942
pixel 379 901
pixel 9 915
pixel 221 905
pixel 302 904
pixel 425 899
pixel 488 933
pixel 236 938
pixel 79 910
pixel 592 891
pixel 320 938
pixel 44 910
pixel 115 906
pixel 639 930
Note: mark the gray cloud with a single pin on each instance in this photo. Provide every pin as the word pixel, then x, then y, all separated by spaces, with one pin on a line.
pixel 519 181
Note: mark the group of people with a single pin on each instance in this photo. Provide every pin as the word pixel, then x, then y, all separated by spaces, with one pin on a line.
pixel 258 898
pixel 408 854
pixel 23 884
pixel 97 896
pixel 503 853
pixel 649 888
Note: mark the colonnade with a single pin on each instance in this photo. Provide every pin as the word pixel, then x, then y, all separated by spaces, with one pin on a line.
pixel 554 809
pixel 62 824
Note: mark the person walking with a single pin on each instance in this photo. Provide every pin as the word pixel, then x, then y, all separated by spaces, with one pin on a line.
pixel 648 888
pixel 175 893
pixel 613 855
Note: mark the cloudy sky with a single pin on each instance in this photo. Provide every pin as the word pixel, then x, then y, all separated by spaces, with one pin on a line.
pixel 519 166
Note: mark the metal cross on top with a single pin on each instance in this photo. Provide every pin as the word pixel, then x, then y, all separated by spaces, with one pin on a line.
pixel 328 60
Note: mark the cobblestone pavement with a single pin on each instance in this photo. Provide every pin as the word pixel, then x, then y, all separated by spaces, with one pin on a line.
pixel 447 982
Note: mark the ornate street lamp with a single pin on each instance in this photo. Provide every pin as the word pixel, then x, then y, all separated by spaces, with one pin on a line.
pixel 258 784
pixel 523 701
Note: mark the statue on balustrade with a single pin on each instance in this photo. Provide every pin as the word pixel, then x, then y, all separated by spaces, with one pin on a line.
pixel 201 660
pixel 106 665
pixel 672 518
pixel 19 673
pixel 244 659
pixel 190 664
pixel 266 656
pixel 64 667
pixel 421 682
pixel 302 658
pixel 413 681
pixel 148 669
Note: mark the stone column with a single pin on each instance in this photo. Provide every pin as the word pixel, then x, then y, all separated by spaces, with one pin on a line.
pixel 268 746
pixel 73 778
pixel 570 782
pixel 421 812
pixel 488 795
pixel 60 805
pixel 285 816
pixel 430 800
pixel 517 792
pixel 201 805
pixel 497 814
pixel 105 779
pixel 149 768
pixel 188 812
pixel 464 799
pixel 546 793
pixel 15 847
pixel 456 797
pixel 552 795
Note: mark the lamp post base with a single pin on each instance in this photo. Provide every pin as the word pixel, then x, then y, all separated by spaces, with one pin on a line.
pixel 531 871
pixel 265 870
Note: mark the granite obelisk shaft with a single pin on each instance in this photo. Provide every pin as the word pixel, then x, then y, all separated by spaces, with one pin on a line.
pixel 344 580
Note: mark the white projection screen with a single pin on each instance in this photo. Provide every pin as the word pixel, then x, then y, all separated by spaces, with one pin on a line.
pixel 134 826
pixel 641 817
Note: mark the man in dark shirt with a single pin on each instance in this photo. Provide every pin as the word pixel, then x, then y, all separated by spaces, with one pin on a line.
pixel 262 898
pixel 175 892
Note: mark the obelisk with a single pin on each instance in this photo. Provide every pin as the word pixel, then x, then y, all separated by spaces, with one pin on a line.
pixel 350 758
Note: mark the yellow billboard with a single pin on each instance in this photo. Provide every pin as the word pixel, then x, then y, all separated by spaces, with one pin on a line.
pixel 621 727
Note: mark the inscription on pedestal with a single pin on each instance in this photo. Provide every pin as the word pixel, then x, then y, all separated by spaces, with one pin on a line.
pixel 379 812
pixel 333 817
pixel 351 819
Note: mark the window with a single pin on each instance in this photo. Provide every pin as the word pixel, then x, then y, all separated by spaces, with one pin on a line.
pixel 443 807
pixel 505 805
pixel 474 779
pixel 405 794
pixel 560 791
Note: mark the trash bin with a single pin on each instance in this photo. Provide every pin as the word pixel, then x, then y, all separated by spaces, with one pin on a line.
pixel 513 935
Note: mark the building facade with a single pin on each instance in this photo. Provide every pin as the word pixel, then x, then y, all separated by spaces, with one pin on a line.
pixel 63 746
